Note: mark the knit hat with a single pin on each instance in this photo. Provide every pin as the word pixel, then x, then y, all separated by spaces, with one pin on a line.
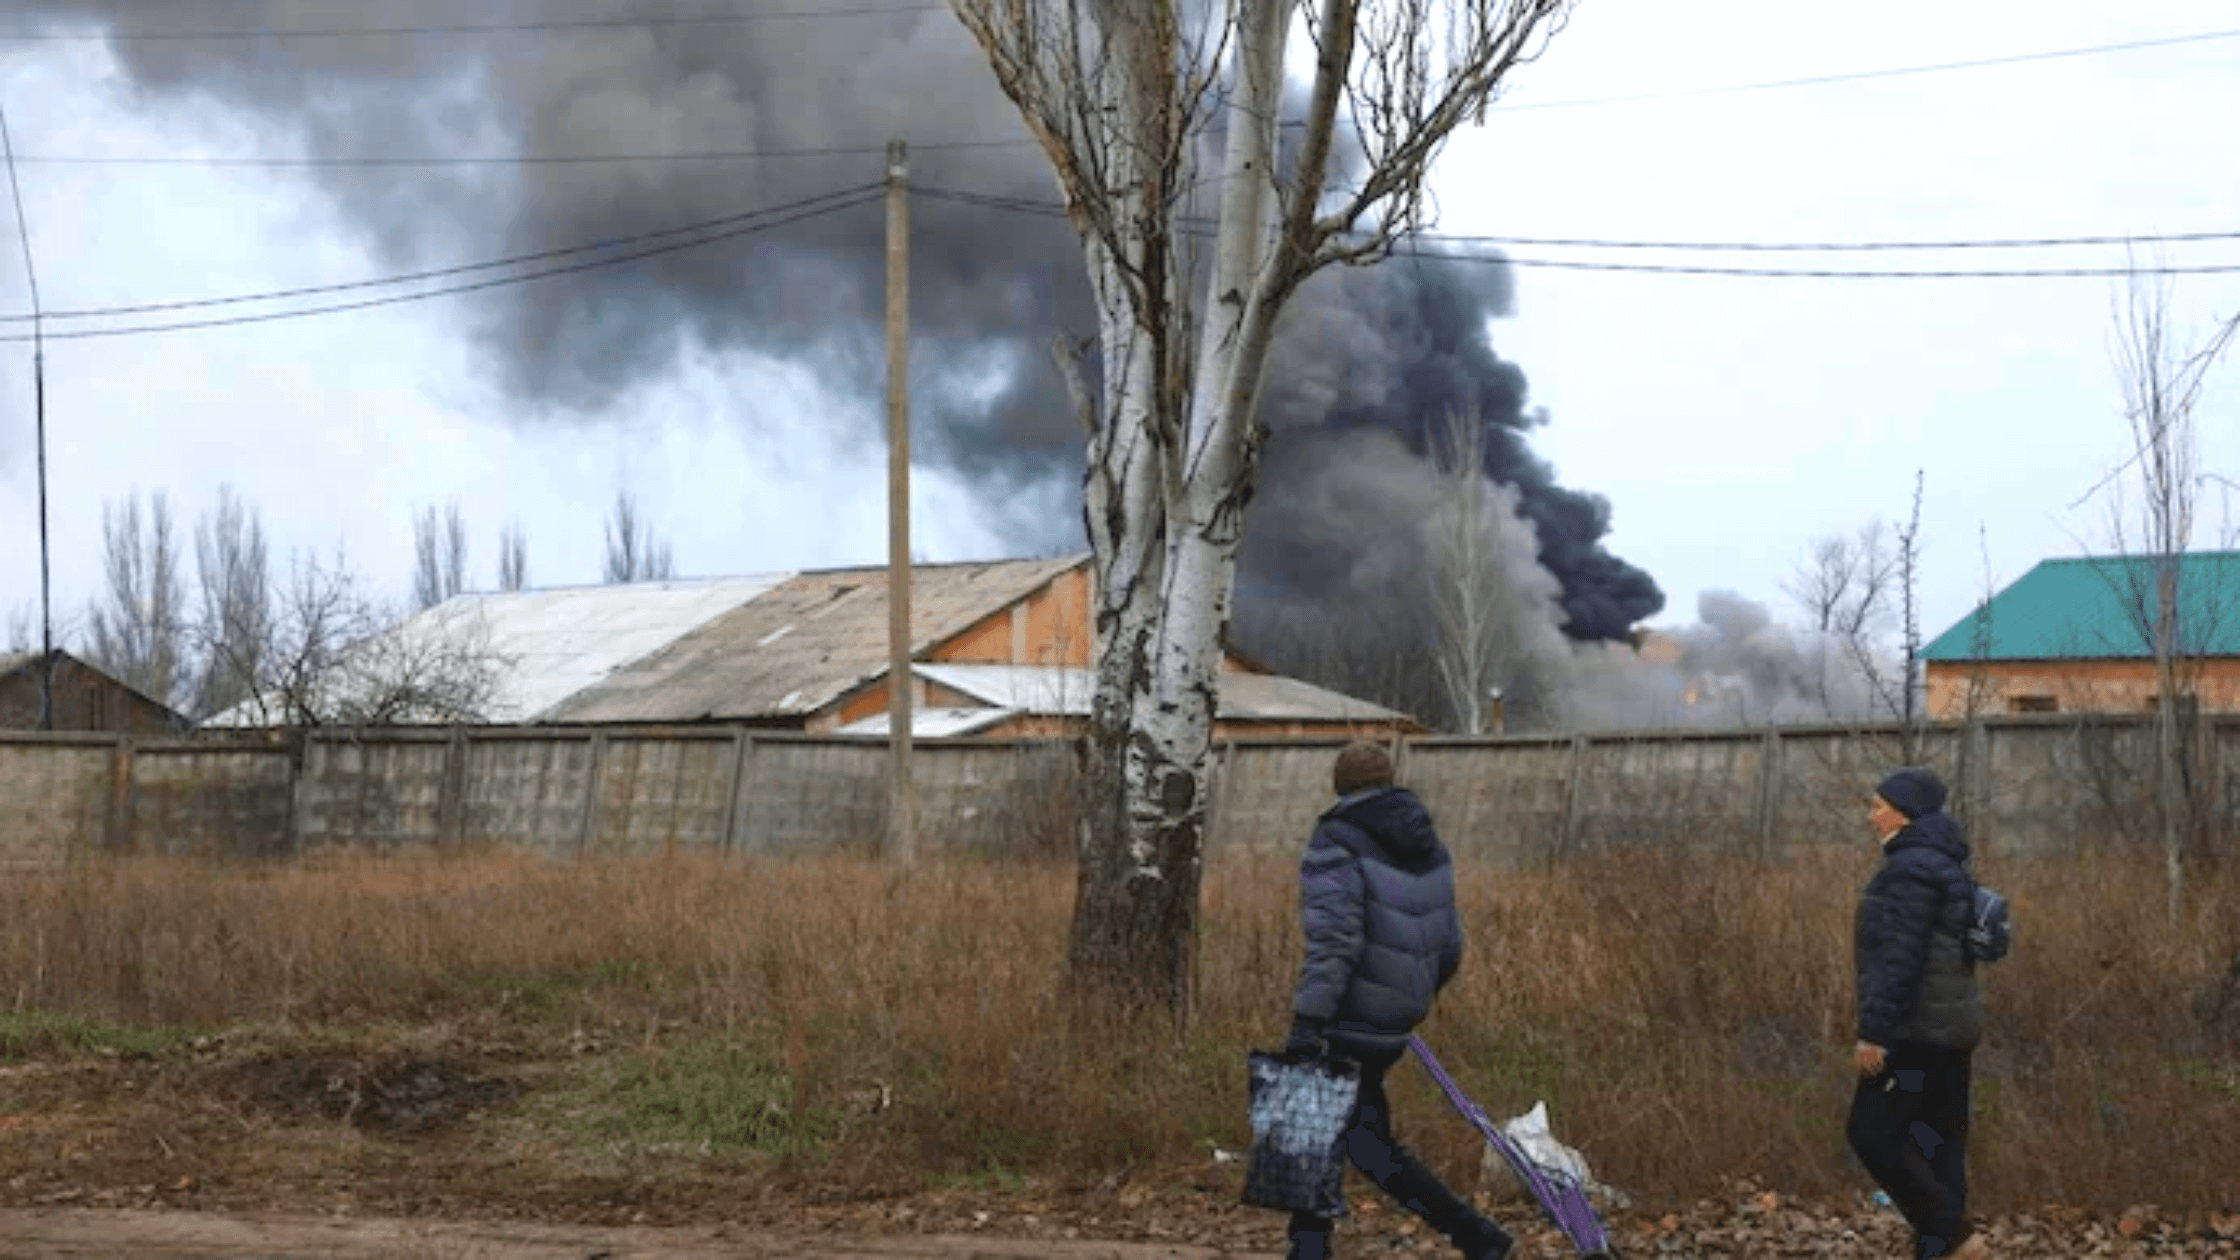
pixel 1361 765
pixel 1913 791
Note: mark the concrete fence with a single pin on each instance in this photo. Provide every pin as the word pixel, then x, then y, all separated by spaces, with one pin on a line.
pixel 2024 784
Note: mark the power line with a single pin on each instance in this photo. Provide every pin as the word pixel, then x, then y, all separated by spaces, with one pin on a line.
pixel 749 222
pixel 440 273
pixel 1857 76
pixel 798 215
pixel 1830 247
pixel 1056 211
pixel 466 28
pixel 1411 249
pixel 1681 269
pixel 585 159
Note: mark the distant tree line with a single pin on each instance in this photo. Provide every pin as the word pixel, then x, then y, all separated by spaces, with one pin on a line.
pixel 207 622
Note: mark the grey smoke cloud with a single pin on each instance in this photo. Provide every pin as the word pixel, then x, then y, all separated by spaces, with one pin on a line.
pixel 1365 353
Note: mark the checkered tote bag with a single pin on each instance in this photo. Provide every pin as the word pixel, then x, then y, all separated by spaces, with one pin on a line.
pixel 1300 1111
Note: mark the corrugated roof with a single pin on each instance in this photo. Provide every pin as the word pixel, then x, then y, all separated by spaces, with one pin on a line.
pixel 2086 608
pixel 803 644
pixel 1244 697
pixel 558 642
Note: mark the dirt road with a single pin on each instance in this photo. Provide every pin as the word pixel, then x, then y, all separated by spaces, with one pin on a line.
pixel 53 1234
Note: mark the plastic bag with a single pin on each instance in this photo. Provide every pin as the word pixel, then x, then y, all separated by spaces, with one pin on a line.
pixel 1530 1134
pixel 1300 1112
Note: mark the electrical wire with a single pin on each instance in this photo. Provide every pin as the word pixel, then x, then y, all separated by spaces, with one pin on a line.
pixel 1053 210
pixel 797 215
pixel 747 223
pixel 1860 76
pixel 1410 248
pixel 440 273
pixel 467 28
pixel 714 155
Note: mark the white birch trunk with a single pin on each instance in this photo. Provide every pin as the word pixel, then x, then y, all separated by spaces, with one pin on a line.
pixel 1168 479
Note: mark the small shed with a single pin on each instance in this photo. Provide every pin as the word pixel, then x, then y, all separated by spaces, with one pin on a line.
pixel 86 698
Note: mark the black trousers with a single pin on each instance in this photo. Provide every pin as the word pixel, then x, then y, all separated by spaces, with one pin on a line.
pixel 1909 1126
pixel 1394 1168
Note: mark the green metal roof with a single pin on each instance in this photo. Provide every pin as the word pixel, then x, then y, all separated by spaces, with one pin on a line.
pixel 2102 607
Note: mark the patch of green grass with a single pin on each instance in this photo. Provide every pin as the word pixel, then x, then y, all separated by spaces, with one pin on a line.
pixel 523 997
pixel 34 1033
pixel 710 1099
pixel 2218 1079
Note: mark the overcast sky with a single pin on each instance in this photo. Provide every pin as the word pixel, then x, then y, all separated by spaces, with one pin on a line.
pixel 1728 420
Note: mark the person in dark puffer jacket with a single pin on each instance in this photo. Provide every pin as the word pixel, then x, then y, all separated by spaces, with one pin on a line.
pixel 1376 891
pixel 1920 1015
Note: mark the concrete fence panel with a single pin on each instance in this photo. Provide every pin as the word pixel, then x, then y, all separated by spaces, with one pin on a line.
pixel 185 800
pixel 805 795
pixel 379 789
pixel 1266 797
pixel 55 796
pixel 525 793
pixel 1495 801
pixel 659 793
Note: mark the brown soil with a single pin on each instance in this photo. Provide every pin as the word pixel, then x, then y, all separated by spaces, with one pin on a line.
pixel 390 1154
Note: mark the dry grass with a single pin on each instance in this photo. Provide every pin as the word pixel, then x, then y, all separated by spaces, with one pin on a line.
pixel 1687 1021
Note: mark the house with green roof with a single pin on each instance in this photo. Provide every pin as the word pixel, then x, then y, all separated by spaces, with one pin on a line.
pixel 2077 635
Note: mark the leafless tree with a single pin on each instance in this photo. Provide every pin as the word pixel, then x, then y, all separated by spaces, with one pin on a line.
pixel 440 554
pixel 22 628
pixel 513 558
pixel 1909 628
pixel 338 657
pixel 2162 374
pixel 1466 588
pixel 137 623
pixel 233 626
pixel 1490 668
pixel 633 553
pixel 1845 587
pixel 1122 95
pixel 1855 590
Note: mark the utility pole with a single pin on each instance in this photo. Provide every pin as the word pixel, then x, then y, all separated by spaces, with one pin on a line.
pixel 39 407
pixel 901 798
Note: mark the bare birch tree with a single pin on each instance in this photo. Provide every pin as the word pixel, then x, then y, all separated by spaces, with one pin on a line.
pixel 2161 376
pixel 1121 95
pixel 633 553
pixel 513 558
pixel 137 622
pixel 439 555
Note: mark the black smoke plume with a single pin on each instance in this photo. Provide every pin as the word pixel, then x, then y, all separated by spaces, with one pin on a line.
pixel 1380 353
